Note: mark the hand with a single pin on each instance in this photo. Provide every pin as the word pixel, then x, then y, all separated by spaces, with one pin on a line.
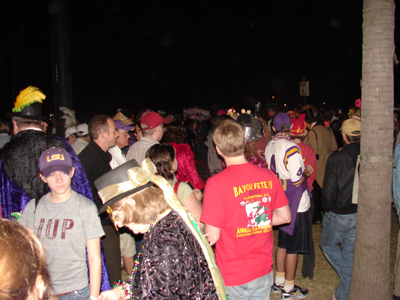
pixel 114 294
pixel 310 169
pixel 198 194
pixel 210 239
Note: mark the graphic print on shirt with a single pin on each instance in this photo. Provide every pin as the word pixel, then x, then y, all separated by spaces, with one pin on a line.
pixel 67 224
pixel 256 199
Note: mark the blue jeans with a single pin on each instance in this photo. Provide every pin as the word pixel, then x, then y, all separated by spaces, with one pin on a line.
pixel 78 295
pixel 340 229
pixel 258 289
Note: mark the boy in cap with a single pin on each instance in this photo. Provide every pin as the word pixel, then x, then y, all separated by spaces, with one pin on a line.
pixel 241 204
pixel 284 159
pixel 152 125
pixel 66 223
pixel 340 206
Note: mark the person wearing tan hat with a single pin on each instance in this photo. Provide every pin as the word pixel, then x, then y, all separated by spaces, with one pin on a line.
pixel 175 260
pixel 340 206
pixel 152 125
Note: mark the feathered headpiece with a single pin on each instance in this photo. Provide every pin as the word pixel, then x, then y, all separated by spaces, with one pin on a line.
pixel 27 97
pixel 69 117
pixel 28 104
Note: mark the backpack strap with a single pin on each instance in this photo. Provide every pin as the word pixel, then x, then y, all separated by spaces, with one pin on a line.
pixel 176 186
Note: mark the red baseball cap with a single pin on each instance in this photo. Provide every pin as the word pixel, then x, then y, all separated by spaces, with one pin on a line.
pixel 151 120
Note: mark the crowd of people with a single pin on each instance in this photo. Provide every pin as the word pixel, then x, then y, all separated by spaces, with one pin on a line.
pixel 186 203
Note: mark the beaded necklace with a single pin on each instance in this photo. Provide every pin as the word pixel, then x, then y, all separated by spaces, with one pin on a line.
pixel 125 286
pixel 282 136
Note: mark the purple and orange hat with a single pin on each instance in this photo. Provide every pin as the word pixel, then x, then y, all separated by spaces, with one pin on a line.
pixel 55 159
pixel 151 120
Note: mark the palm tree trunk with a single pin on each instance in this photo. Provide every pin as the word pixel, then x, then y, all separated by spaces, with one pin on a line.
pixel 371 277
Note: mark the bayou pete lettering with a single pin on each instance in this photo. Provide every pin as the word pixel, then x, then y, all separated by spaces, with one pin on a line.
pixel 238 190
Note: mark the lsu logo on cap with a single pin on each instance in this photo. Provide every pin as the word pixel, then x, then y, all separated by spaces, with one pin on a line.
pixel 55 157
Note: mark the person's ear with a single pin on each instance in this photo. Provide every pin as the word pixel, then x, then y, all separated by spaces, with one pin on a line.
pixel 218 151
pixel 15 127
pixel 72 172
pixel 273 128
pixel 346 141
pixel 43 178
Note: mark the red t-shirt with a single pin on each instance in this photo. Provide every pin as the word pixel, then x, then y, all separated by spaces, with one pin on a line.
pixel 240 201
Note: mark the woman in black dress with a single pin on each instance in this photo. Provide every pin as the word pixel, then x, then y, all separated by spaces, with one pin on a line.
pixel 175 261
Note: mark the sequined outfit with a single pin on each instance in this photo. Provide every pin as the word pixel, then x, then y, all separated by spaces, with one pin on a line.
pixel 172 264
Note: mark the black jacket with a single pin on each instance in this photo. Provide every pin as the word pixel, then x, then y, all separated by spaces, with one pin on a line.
pixel 338 182
pixel 96 163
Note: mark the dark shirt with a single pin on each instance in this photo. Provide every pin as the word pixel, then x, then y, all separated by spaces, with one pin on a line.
pixel 337 191
pixel 96 163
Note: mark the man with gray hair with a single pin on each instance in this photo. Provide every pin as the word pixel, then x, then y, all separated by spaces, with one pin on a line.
pixel 340 206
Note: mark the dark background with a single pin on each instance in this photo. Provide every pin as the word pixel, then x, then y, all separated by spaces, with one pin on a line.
pixel 179 54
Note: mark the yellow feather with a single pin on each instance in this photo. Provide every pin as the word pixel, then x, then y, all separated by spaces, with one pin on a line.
pixel 28 96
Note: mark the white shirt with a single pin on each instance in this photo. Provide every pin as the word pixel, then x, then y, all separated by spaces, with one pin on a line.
pixel 139 149
pixel 284 158
pixel 117 157
pixel 79 145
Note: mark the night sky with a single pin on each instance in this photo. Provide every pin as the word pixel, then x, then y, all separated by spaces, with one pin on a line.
pixel 179 54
